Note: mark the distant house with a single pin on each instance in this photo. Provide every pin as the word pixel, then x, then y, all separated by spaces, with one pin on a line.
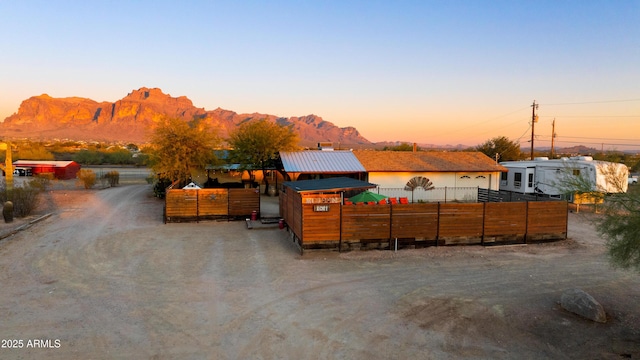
pixel 62 170
pixel 321 164
pixel 422 170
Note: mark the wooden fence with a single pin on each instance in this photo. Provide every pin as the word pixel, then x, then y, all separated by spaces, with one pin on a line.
pixel 202 204
pixel 331 225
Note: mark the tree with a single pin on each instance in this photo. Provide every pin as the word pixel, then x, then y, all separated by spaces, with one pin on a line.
pixel 619 222
pixel 33 151
pixel 180 147
pixel 256 144
pixel 506 149
pixel 402 147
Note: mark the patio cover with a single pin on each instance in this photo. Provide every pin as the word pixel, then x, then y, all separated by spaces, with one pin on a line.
pixel 333 184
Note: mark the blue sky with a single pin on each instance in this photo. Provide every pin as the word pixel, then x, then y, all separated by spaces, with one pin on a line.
pixel 440 72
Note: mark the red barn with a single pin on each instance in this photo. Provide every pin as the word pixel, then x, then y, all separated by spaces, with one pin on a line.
pixel 63 170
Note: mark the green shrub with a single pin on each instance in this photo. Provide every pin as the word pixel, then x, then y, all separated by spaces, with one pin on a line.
pixel 86 178
pixel 24 199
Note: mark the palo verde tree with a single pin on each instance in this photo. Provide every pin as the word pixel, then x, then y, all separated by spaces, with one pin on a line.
pixel 180 147
pixel 256 144
pixel 506 149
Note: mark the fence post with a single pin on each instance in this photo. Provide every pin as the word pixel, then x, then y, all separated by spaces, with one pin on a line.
pixel 438 225
pixel 526 221
pixel 484 219
pixel 228 204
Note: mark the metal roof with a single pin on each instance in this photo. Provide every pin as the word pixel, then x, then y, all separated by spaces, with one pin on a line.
pixel 54 163
pixel 318 161
pixel 329 184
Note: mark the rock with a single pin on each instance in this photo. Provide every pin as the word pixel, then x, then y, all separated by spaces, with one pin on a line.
pixel 583 304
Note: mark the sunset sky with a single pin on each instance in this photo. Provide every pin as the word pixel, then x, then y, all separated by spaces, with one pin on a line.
pixel 436 72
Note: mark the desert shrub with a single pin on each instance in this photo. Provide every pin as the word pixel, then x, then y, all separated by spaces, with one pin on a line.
pixel 41 181
pixel 112 177
pixel 159 188
pixel 24 199
pixel 88 157
pixel 86 178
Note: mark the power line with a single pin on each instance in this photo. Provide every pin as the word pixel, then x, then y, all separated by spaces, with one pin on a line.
pixel 592 138
pixel 592 116
pixel 591 102
pixel 595 142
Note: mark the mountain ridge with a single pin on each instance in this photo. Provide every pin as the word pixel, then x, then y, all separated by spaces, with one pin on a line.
pixel 132 118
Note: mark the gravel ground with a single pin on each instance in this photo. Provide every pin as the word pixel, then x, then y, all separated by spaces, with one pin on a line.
pixel 103 278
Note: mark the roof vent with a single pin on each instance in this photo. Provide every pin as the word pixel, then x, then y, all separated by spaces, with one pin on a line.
pixel 541 158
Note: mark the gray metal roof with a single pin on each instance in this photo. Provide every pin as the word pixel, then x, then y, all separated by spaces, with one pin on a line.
pixel 318 161
pixel 329 184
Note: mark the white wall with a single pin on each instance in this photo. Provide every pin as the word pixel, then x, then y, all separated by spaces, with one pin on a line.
pixel 448 185
pixel 449 179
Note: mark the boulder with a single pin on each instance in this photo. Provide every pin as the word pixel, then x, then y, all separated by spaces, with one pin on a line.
pixel 583 304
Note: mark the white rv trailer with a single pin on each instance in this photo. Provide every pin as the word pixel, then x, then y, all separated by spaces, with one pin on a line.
pixel 548 177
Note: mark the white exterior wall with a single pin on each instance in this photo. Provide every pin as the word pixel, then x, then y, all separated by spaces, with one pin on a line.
pixel 393 183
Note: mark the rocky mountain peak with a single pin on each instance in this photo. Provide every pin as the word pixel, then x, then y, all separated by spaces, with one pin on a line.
pixel 132 118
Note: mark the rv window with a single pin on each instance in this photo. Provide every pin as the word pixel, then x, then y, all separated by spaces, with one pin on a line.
pixel 530 184
pixel 517 179
pixel 504 176
pixel 576 172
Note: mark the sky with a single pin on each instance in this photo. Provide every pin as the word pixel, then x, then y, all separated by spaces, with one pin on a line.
pixel 430 72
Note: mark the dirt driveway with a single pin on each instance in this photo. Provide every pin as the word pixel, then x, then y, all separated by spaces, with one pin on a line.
pixel 104 278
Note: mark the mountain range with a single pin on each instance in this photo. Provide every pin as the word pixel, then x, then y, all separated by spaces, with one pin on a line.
pixel 132 119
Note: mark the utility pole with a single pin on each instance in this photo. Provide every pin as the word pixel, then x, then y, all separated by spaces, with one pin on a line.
pixel 553 135
pixel 534 119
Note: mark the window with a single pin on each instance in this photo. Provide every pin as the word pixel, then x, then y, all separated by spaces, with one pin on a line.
pixel 504 178
pixel 517 179
pixel 530 182
pixel 576 172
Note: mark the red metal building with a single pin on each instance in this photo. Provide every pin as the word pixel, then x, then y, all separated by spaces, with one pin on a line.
pixel 63 170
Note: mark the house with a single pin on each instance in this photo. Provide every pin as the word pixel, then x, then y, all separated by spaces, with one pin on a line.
pixel 62 170
pixel 321 164
pixel 422 171
pixel 549 177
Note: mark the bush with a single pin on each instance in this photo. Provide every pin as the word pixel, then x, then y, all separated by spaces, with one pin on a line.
pixel 24 199
pixel 112 177
pixel 86 178
pixel 159 188
pixel 41 181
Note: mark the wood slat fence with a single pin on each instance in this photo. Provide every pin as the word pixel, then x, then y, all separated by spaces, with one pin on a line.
pixel 202 204
pixel 335 226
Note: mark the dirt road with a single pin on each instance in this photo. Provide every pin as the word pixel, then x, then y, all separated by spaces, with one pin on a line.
pixel 103 278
